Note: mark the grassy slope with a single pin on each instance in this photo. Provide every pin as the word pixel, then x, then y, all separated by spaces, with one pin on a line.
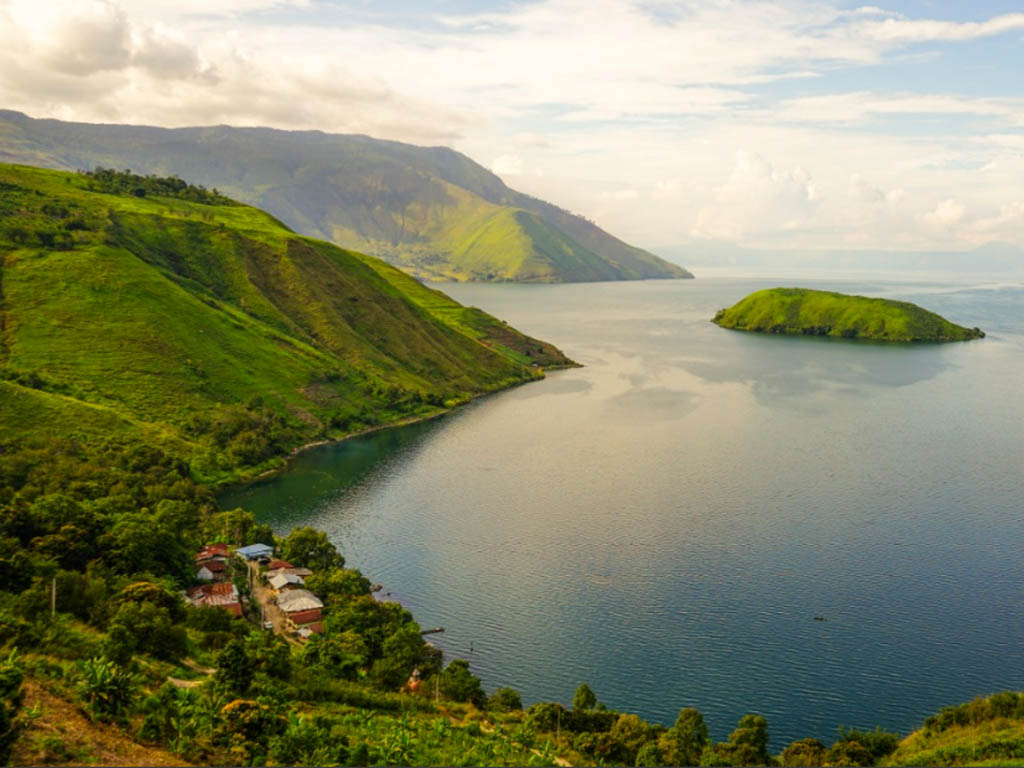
pixel 803 311
pixel 986 731
pixel 431 210
pixel 166 308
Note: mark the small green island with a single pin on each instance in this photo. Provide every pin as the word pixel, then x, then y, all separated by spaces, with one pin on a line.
pixel 805 312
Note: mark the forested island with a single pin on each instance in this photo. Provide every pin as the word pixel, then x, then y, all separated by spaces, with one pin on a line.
pixel 806 312
pixel 160 340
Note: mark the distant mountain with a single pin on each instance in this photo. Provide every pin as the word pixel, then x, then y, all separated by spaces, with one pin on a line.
pixel 990 257
pixel 158 310
pixel 430 210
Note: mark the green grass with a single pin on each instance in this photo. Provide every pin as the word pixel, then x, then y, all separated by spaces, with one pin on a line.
pixel 430 210
pixel 801 311
pixel 126 314
pixel 986 731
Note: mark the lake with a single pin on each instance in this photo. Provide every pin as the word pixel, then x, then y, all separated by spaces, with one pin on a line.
pixel 667 522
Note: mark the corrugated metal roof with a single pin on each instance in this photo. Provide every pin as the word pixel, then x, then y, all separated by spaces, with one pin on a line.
pixel 298 600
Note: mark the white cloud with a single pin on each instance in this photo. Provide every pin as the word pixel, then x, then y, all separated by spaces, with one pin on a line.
pixel 758 200
pixel 917 31
pixel 507 165
pixel 946 214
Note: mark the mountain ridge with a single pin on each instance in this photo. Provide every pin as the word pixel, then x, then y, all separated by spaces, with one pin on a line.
pixel 420 208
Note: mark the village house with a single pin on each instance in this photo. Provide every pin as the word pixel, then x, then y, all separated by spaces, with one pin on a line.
pixel 303 609
pixel 283 581
pixel 212 563
pixel 223 595
pixel 255 552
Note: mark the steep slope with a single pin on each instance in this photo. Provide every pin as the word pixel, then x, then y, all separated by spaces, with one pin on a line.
pixel 430 210
pixel 191 320
pixel 800 311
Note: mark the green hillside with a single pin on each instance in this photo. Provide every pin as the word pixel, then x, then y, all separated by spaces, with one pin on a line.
pixel 162 310
pixel 986 731
pixel 800 311
pixel 431 210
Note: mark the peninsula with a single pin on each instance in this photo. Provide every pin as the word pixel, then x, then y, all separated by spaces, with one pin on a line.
pixel 805 312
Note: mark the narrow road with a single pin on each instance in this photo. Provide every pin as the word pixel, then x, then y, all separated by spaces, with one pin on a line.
pixel 266 603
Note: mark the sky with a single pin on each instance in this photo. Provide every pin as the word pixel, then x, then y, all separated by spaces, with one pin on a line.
pixel 797 124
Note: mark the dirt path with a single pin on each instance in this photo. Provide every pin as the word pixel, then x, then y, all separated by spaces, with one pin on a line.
pixel 266 603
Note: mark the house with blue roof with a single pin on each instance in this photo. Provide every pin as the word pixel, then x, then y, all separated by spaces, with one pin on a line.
pixel 255 551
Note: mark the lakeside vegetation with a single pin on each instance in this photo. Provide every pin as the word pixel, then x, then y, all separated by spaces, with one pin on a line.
pixel 805 312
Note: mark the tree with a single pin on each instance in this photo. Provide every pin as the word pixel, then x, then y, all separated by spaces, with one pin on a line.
pixel 584 698
pixel 234 668
pixel 747 745
pixel 629 735
pixel 805 752
pixel 504 700
pixel 11 699
pixel 338 584
pixel 457 683
pixel 401 652
pixel 311 548
pixel 106 688
pixel 684 742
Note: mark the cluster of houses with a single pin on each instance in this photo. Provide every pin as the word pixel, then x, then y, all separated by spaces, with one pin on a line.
pixel 302 609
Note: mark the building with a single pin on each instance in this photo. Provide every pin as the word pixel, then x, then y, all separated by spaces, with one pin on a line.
pixel 255 551
pixel 275 565
pixel 305 573
pixel 283 581
pixel 213 570
pixel 224 595
pixel 301 606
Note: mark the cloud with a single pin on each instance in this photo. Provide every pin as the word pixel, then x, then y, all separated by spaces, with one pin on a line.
pixel 507 165
pixel 758 200
pixel 926 30
pixel 946 214
pixel 633 109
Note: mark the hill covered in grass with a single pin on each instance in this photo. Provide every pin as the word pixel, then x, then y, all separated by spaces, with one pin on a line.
pixel 430 210
pixel 801 311
pixel 986 731
pixel 157 310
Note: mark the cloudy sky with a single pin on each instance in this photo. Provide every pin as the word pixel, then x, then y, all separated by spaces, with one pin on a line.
pixel 772 124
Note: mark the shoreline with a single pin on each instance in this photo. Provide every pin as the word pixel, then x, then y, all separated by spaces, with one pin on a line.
pixel 407 422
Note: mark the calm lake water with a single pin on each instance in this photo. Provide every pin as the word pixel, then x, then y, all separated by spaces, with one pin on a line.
pixel 666 522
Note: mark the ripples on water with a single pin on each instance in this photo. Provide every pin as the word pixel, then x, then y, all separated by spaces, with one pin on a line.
pixel 666 522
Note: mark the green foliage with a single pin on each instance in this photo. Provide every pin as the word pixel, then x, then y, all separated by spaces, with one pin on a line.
pixel 801 311
pixel 685 741
pixel 804 753
pixel 214 334
pixel 309 548
pixel 584 698
pixel 105 688
pixel 879 743
pixel 235 668
pixel 338 584
pixel 127 183
pixel 504 700
pixel 459 684
pixel 11 700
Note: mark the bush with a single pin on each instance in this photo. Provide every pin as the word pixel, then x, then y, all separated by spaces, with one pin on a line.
pixel 805 752
pixel 11 699
pixel 106 689
pixel 504 700
pixel 459 684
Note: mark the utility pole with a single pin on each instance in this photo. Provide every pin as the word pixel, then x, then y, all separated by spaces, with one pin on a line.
pixel 53 596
